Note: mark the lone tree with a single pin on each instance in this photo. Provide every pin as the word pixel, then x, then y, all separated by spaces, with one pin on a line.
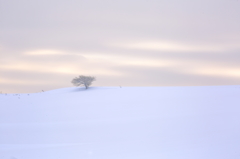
pixel 83 80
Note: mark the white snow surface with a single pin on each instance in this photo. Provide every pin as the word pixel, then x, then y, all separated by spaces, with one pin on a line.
pixel 201 122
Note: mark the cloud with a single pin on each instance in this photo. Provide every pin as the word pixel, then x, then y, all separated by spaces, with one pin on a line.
pixel 171 46
pixel 153 69
pixel 44 52
pixel 130 60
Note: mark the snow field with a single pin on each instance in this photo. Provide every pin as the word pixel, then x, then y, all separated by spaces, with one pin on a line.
pixel 122 123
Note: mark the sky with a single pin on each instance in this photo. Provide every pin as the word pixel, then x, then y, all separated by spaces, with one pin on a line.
pixel 44 44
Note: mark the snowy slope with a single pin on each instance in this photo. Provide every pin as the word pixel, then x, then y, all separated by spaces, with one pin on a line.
pixel 122 123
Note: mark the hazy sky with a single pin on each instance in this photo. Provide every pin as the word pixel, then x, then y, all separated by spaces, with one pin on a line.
pixel 44 44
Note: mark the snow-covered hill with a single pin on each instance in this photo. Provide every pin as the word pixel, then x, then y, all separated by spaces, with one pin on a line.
pixel 122 123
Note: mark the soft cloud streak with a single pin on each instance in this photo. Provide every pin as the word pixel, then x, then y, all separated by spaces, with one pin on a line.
pixel 44 52
pixel 169 46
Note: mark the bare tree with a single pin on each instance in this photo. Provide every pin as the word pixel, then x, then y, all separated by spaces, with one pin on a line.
pixel 83 80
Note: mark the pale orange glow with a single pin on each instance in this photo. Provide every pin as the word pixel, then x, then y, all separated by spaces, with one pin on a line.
pixel 224 72
pixel 17 81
